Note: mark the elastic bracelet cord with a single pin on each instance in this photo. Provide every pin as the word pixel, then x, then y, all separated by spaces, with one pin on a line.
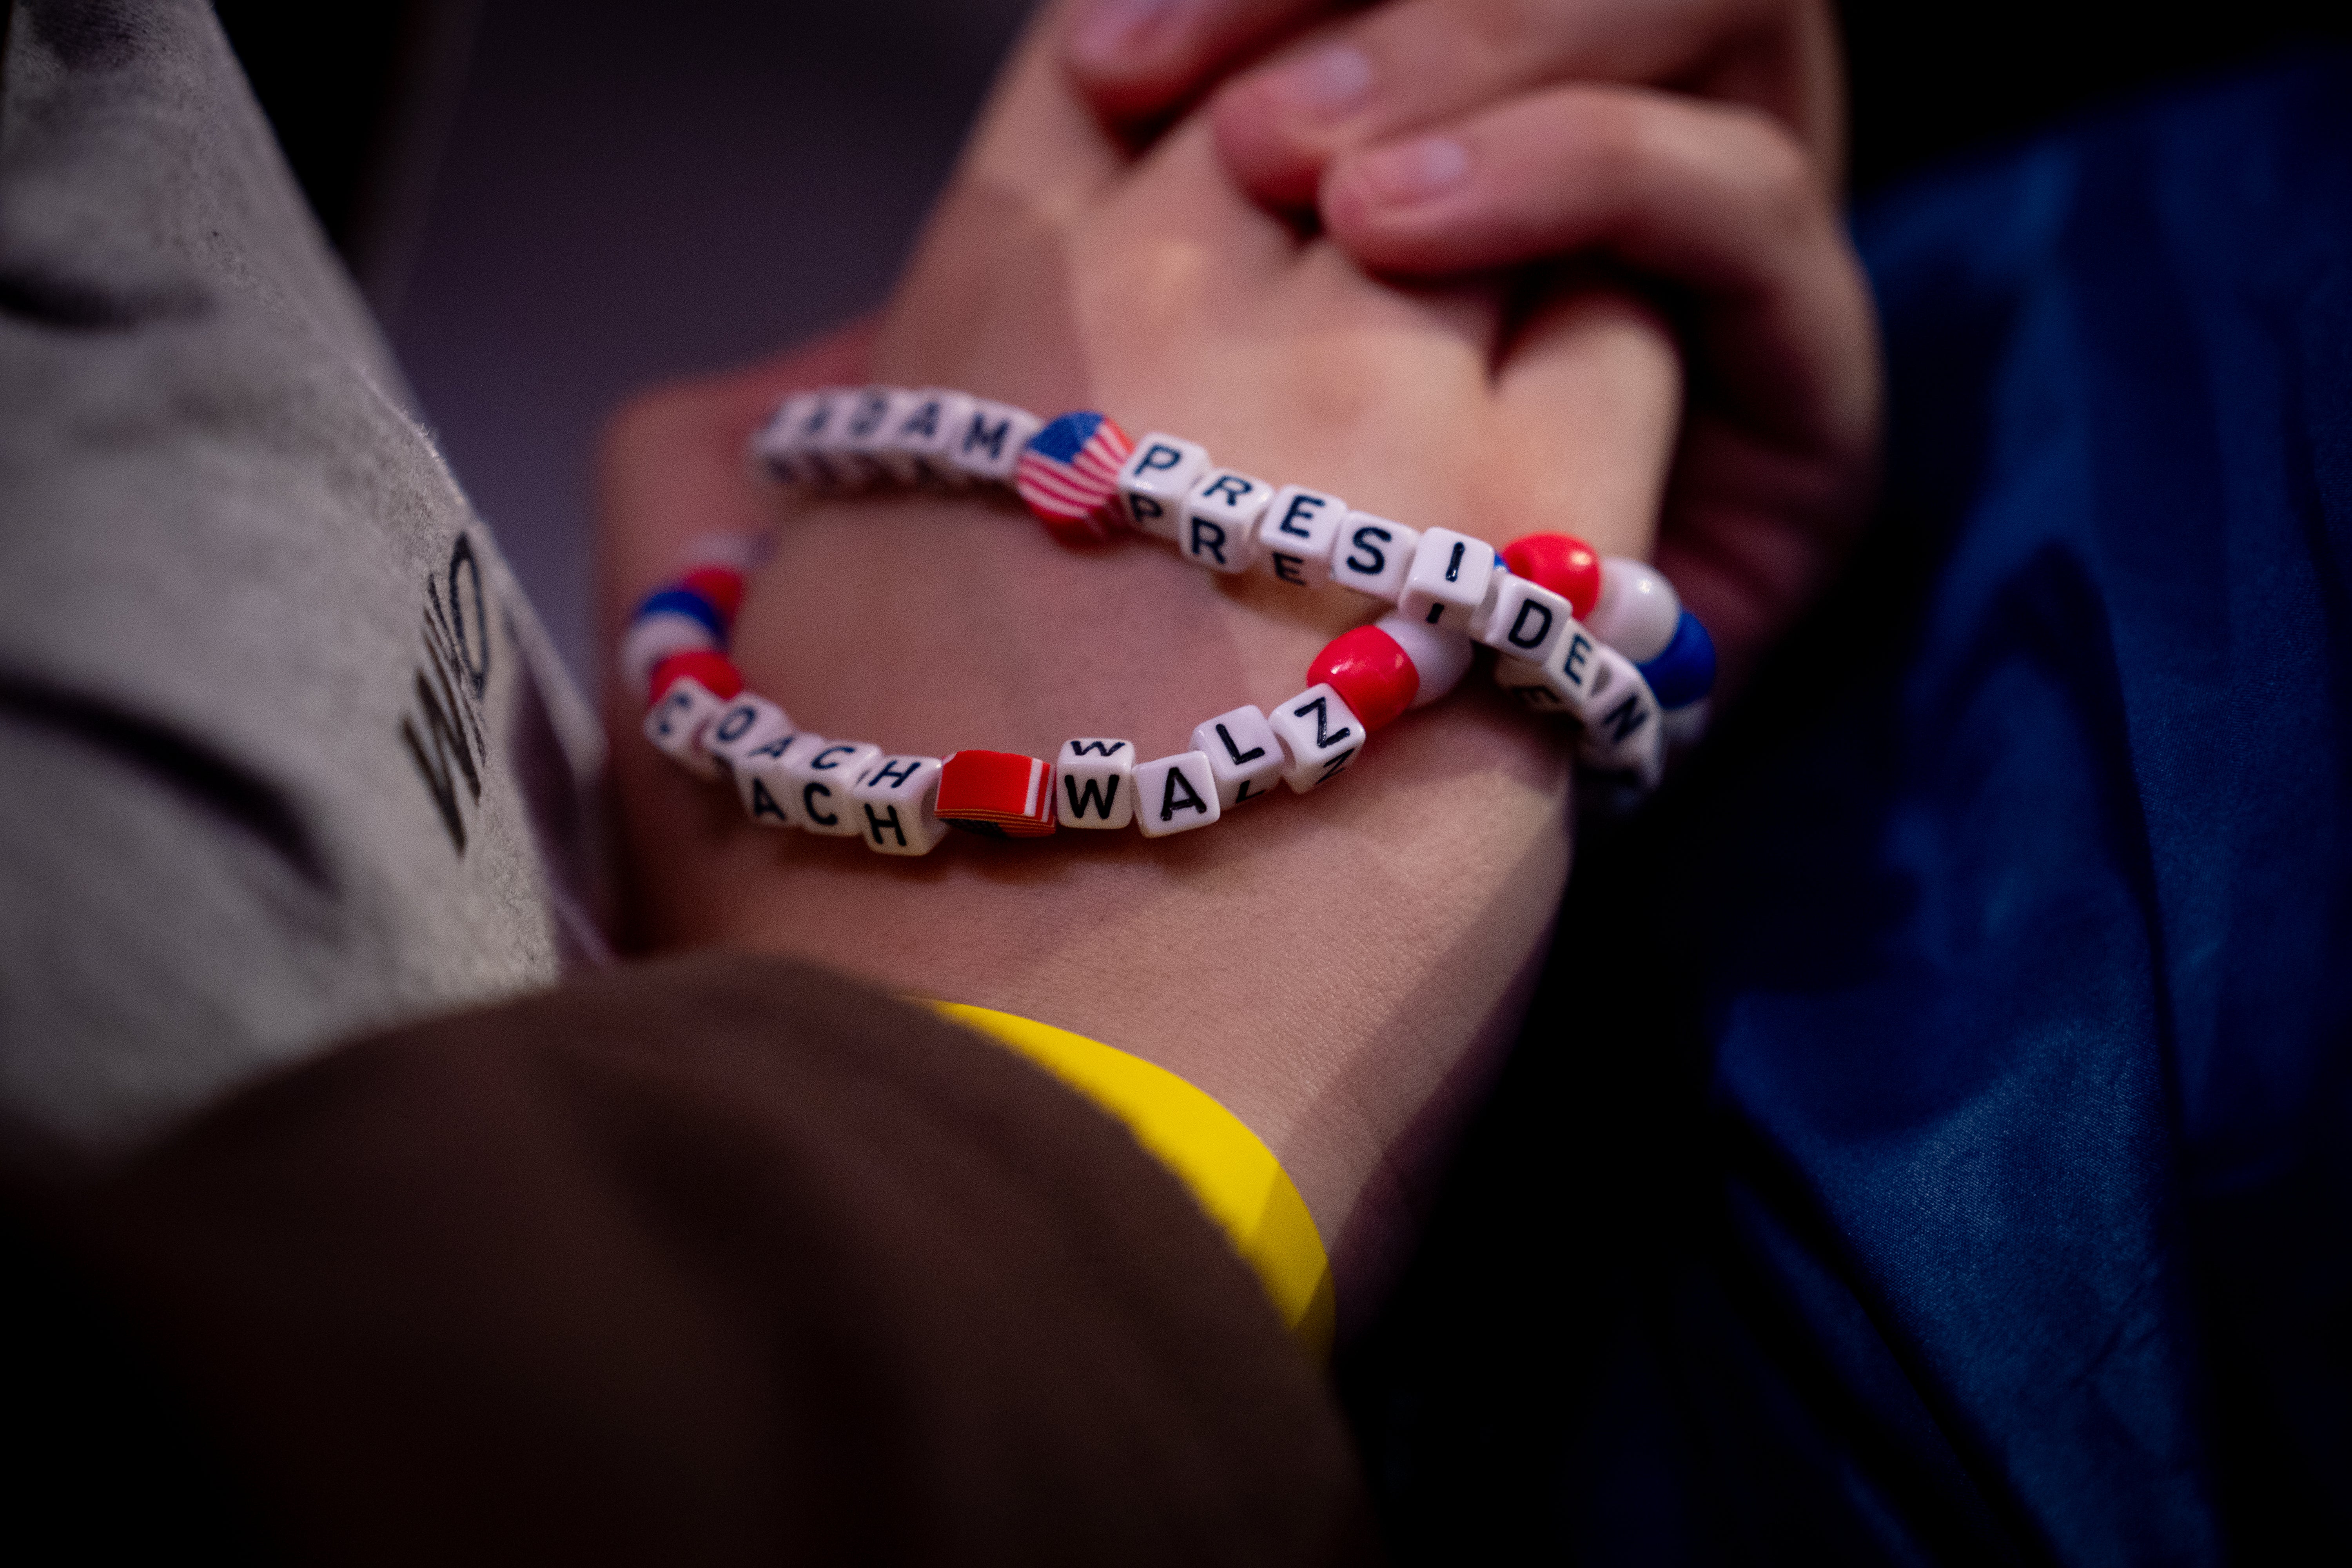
pixel 1239 1183
pixel 1600 643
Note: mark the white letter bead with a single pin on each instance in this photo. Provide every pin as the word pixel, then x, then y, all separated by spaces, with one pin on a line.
pixel 653 638
pixel 675 725
pixel 1523 620
pixel 1440 658
pixel 763 781
pixel 1296 536
pixel 1622 732
pixel 1448 580
pixel 865 435
pixel 746 722
pixel 1529 684
pixel 894 801
pixel 1175 795
pixel 1637 610
pixel 1576 672
pixel 1097 784
pixel 989 446
pixel 1321 734
pixel 1220 513
pixel 1153 480
pixel 821 778
pixel 1245 756
pixel 775 450
pixel 920 431
pixel 822 442
pixel 1372 555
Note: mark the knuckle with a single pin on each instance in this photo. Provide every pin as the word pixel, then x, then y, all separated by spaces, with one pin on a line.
pixel 1778 174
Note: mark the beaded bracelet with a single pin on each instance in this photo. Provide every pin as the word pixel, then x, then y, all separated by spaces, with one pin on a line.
pixel 1601 642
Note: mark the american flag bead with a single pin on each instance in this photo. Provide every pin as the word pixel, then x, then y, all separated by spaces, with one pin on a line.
pixel 1068 473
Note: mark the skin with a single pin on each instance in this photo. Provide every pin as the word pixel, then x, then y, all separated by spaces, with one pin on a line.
pixel 1339 969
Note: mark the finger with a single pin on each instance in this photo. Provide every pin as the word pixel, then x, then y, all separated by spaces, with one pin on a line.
pixel 1037 144
pixel 1720 200
pixel 1590 388
pixel 1417 62
pixel 669 466
pixel 1142 59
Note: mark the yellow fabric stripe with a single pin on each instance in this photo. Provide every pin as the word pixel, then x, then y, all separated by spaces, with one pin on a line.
pixel 1229 1168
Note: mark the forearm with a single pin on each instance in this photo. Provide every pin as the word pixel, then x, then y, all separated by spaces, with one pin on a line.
pixel 1324 965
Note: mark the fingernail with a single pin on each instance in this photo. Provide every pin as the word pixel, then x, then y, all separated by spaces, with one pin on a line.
pixel 1323 84
pixel 1118 32
pixel 1412 171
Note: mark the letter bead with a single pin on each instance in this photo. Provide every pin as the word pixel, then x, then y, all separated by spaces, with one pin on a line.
pixel 1523 620
pixel 674 725
pixel 745 722
pixel 1153 482
pixel 1448 580
pixel 1178 794
pixel 1576 672
pixel 1296 535
pixel 1372 554
pixel 775 446
pixel 762 777
pixel 1529 685
pixel 1622 732
pixel 1220 513
pixel 1245 756
pixel 988 448
pixel 921 431
pixel 1001 793
pixel 820 779
pixel 897 801
pixel 1370 670
pixel 1638 612
pixel 823 442
pixel 1561 562
pixel 1095 780
pixel 1321 733
pixel 865 435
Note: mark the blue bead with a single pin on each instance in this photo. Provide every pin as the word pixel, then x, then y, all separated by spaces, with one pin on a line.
pixel 1684 672
pixel 686 601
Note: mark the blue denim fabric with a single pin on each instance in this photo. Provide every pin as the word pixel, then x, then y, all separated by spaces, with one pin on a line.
pixel 1934 1141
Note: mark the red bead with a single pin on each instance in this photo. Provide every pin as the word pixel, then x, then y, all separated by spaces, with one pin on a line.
pixel 1560 562
pixel 722 585
pixel 1003 793
pixel 1371 671
pixel 715 672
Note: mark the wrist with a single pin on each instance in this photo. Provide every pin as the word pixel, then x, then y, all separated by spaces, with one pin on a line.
pixel 1326 965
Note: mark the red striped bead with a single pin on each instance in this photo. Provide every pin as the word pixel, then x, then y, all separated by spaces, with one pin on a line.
pixel 1371 671
pixel 715 671
pixel 722 585
pixel 1560 562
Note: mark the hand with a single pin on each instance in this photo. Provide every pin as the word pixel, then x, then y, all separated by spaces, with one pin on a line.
pixel 1375 73
pixel 1448 137
pixel 1338 968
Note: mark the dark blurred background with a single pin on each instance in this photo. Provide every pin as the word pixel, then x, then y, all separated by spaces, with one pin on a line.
pixel 550 204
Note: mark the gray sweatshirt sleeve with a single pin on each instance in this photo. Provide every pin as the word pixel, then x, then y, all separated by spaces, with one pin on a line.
pixel 283 755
